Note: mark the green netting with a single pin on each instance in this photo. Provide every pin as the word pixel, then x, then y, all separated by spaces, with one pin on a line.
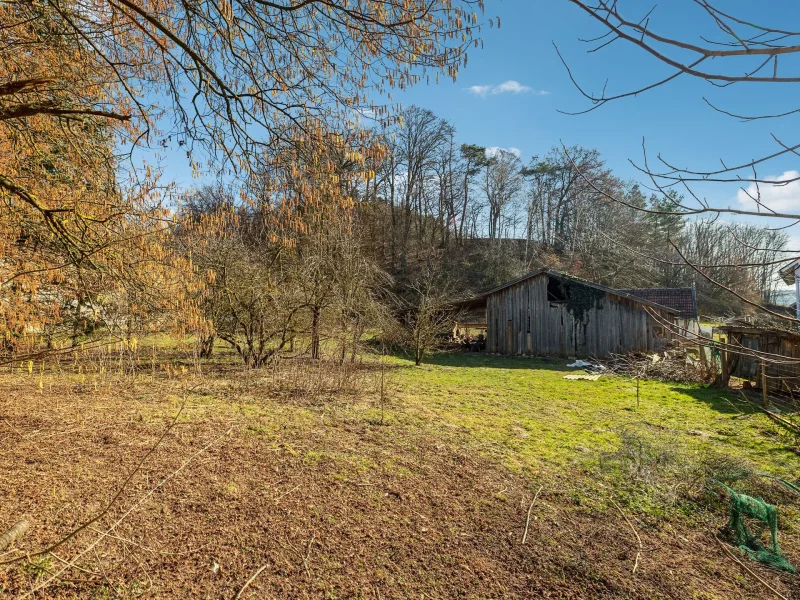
pixel 743 506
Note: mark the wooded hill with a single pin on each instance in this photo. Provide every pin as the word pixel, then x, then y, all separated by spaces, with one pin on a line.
pixel 489 217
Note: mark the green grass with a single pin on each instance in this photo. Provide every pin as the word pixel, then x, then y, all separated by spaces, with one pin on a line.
pixel 587 443
pixel 523 412
pixel 589 438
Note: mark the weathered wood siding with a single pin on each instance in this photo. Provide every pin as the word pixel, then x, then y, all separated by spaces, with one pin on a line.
pixel 521 320
pixel 783 368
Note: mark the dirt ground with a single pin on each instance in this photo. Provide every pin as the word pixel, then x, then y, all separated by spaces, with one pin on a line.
pixel 317 500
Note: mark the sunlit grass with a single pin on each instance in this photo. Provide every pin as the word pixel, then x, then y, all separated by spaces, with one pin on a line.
pixel 519 412
pixel 524 413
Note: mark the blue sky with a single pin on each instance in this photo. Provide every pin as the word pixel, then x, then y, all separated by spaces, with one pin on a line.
pixel 673 119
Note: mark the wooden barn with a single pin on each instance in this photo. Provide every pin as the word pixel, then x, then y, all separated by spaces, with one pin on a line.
pixel 547 313
pixel 683 300
pixel 767 354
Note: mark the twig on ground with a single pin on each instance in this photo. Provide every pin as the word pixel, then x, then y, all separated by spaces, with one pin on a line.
pixel 14 429
pixel 771 414
pixel 249 581
pixel 124 516
pixel 308 553
pixel 778 419
pixel 130 542
pixel 279 498
pixel 76 567
pixel 672 365
pixel 528 520
pixel 748 570
pixel 110 585
pixel 736 408
pixel 108 506
pixel 141 566
pixel 633 529
pixel 356 483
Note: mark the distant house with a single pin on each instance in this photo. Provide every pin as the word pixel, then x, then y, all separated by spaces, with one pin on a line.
pixel 681 299
pixel 548 313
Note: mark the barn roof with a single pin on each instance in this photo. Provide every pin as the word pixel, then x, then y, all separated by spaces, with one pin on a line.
pixel 564 276
pixel 681 299
pixel 742 326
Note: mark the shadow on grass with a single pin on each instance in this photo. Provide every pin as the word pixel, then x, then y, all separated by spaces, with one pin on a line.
pixel 491 361
pixel 722 401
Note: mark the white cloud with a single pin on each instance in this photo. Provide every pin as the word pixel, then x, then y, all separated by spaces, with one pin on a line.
pixel 492 151
pixel 780 197
pixel 514 87
pixel 507 87
pixel 479 90
pixel 364 115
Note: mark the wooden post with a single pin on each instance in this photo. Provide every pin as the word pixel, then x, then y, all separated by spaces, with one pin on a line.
pixel 17 531
pixel 726 376
pixel 764 398
pixel 703 362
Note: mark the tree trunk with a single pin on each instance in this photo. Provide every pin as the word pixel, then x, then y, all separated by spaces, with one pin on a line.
pixel 464 211
pixel 343 349
pixel 315 332
pixel 76 323
pixel 207 346
pixel 394 219
pixel 357 329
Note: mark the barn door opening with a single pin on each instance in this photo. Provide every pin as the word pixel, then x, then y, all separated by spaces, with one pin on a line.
pixel 510 337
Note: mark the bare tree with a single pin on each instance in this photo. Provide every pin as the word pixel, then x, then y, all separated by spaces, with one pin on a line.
pixel 428 312
pixel 740 48
pixel 502 184
pixel 420 138
pixel 561 206
pixel 474 159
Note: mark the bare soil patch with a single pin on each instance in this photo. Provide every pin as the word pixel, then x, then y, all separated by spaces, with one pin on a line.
pixel 311 487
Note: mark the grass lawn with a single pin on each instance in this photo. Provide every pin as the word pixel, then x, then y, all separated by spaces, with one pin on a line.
pixel 523 412
pixel 426 494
